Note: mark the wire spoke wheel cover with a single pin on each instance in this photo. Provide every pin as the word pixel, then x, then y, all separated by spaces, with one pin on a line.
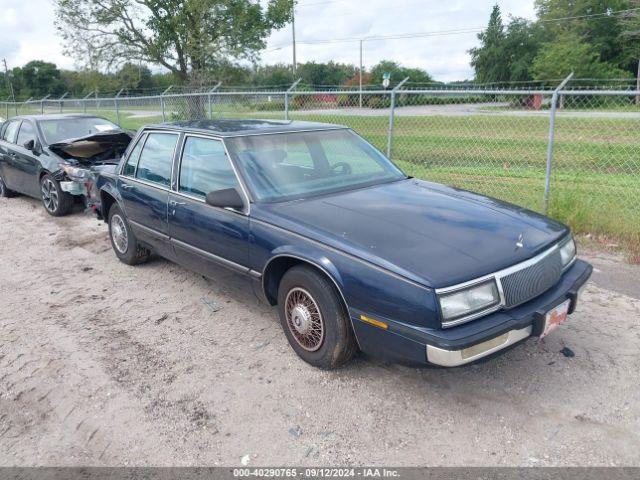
pixel 119 234
pixel 304 319
pixel 50 195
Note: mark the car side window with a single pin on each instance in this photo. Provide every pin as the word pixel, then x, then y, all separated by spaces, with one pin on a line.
pixel 205 167
pixel 129 169
pixel 26 133
pixel 11 131
pixel 156 158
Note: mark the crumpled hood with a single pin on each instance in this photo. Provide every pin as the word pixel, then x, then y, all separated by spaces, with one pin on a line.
pixel 97 147
pixel 430 233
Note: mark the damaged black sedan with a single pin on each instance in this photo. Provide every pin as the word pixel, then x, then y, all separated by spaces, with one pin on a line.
pixel 57 157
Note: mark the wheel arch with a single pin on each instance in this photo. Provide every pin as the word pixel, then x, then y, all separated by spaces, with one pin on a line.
pixel 106 202
pixel 280 263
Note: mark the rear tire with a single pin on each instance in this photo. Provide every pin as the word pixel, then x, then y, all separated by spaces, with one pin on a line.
pixel 56 202
pixel 123 240
pixel 314 318
pixel 4 191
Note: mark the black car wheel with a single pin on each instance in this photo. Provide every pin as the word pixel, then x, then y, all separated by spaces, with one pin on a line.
pixel 314 319
pixel 4 191
pixel 123 240
pixel 56 202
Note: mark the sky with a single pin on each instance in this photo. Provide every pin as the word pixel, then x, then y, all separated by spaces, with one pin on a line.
pixel 27 32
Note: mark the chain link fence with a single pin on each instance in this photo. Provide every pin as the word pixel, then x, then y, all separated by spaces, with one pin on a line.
pixel 579 161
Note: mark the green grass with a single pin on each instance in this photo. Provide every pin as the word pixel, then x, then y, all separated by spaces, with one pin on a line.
pixel 595 185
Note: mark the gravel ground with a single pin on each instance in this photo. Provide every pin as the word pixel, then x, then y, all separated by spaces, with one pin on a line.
pixel 105 364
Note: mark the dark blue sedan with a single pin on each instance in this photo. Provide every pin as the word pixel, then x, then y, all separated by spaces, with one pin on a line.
pixel 355 254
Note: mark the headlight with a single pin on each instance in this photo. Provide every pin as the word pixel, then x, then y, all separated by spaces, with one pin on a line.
pixel 468 301
pixel 567 252
pixel 75 173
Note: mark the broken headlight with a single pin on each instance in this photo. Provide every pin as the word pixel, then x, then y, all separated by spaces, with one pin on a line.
pixel 76 174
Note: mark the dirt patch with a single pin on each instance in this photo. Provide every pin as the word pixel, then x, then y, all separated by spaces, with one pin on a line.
pixel 105 364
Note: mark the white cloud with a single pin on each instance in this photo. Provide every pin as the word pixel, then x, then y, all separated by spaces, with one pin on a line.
pixel 27 32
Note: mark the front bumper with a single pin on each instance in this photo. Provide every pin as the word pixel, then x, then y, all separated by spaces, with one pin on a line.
pixel 474 340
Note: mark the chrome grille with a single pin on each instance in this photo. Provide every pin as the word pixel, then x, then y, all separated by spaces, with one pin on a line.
pixel 523 285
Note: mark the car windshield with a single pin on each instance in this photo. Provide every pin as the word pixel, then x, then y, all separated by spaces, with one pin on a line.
pixel 57 130
pixel 296 165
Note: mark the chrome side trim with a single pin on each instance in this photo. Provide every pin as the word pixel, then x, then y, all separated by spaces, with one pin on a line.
pixel 210 256
pixel 454 358
pixel 150 231
pixel 145 183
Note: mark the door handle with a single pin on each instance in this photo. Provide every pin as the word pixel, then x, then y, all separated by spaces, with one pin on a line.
pixel 173 203
pixel 127 187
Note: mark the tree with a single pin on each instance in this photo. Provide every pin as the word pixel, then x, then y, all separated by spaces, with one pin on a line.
pixel 591 20
pixel 184 36
pixel 319 74
pixel 570 53
pixel 38 78
pixel 489 59
pixel 134 77
pixel 521 44
pixel 398 73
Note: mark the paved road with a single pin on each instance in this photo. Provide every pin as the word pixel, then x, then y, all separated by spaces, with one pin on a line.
pixel 105 364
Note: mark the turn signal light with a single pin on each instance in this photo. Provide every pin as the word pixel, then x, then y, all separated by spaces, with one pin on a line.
pixel 374 322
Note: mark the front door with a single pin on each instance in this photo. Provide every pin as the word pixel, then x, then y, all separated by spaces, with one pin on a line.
pixel 26 161
pixel 144 185
pixel 206 237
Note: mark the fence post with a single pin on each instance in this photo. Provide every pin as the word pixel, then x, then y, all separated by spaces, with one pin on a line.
pixel 550 145
pixel 286 98
pixel 162 102
pixel 392 109
pixel 84 102
pixel 27 102
pixel 61 100
pixel 7 105
pixel 209 93
pixel 42 104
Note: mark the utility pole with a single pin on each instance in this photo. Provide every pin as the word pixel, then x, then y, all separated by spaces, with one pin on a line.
pixel 293 32
pixel 6 77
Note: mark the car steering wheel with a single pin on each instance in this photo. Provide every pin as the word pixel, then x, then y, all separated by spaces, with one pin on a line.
pixel 345 168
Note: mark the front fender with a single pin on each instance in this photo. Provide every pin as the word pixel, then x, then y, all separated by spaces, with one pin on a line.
pixel 366 289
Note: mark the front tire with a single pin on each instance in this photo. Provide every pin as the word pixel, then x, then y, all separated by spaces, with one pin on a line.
pixel 123 240
pixel 56 202
pixel 314 318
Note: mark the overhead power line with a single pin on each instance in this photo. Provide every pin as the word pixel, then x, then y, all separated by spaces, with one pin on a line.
pixel 458 31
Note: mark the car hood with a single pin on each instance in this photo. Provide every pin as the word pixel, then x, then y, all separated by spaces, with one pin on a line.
pixel 103 147
pixel 430 233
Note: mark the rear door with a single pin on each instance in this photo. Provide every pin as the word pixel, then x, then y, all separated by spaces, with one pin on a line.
pixel 205 237
pixel 8 155
pixel 144 185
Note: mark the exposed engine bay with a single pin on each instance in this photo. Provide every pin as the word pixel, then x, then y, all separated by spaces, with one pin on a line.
pixel 96 149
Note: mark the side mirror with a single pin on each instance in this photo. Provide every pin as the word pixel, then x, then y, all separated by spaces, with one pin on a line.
pixel 30 145
pixel 227 198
